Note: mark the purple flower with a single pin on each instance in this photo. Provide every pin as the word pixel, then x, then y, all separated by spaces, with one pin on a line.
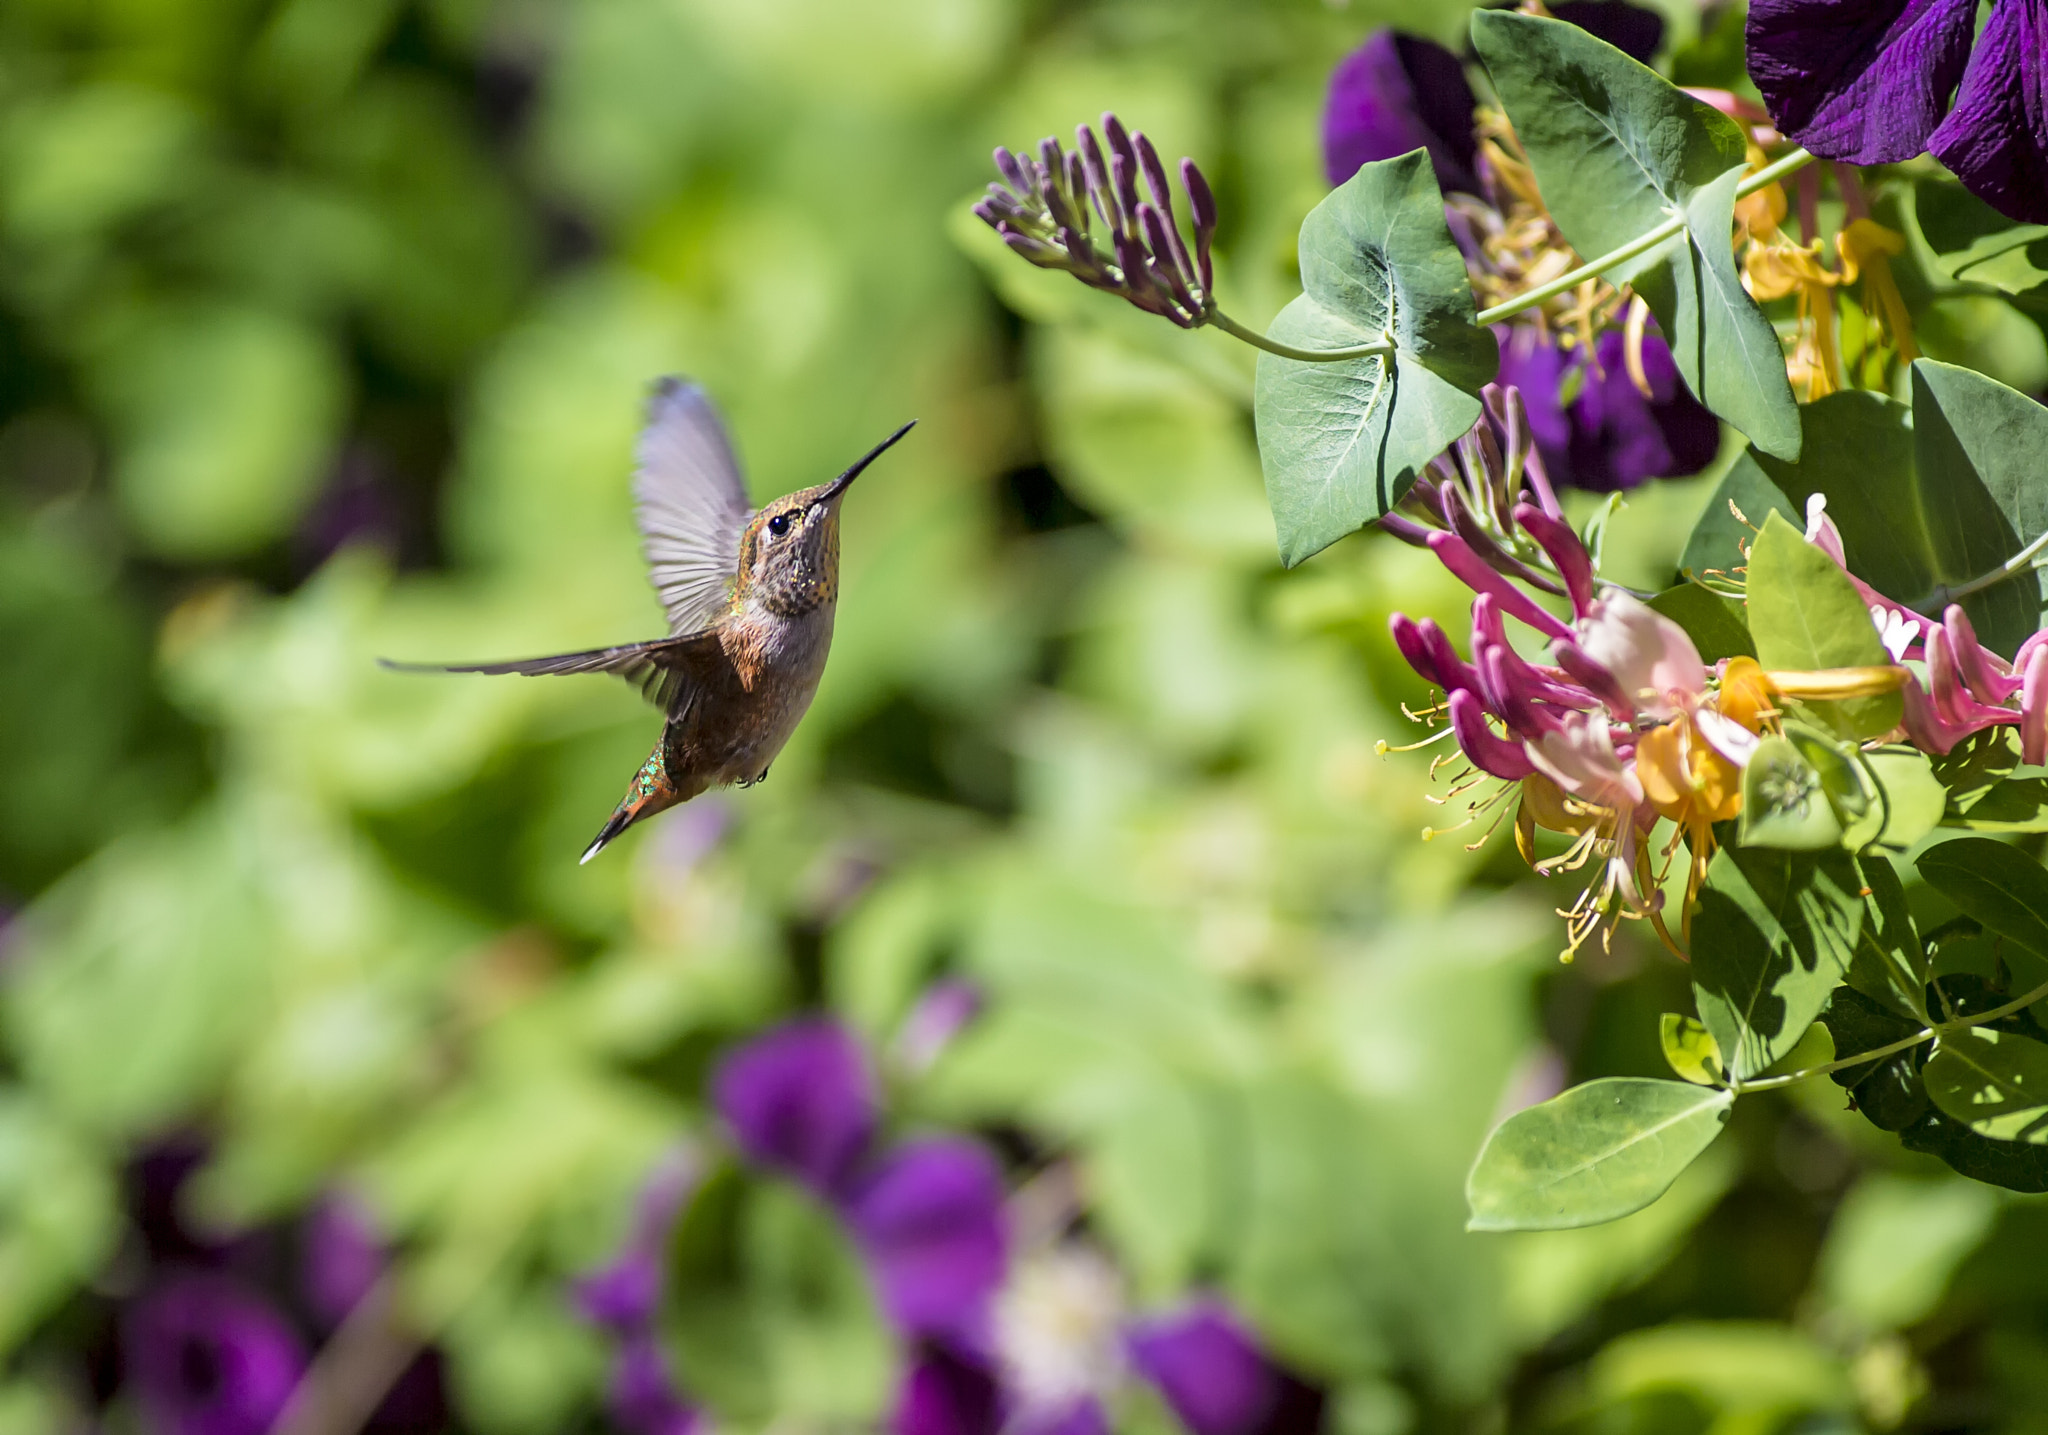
pixel 340 1256
pixel 1634 31
pixel 801 1100
pixel 930 1222
pixel 1208 1368
pixel 206 1355
pixel 643 1395
pixel 1609 436
pixel 947 1393
pixel 1873 81
pixel 1397 93
pixel 624 1295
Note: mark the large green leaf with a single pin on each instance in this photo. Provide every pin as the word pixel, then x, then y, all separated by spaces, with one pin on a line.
pixel 1617 150
pixel 1979 446
pixel 1341 442
pixel 1858 455
pixel 1887 1091
pixel 1596 1152
pixel 1805 614
pixel 1774 933
pixel 1999 886
pixel 1993 1082
pixel 1719 545
pixel 1890 962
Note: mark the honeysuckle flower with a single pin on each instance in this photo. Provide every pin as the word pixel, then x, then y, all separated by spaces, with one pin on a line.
pixel 929 1220
pixel 934 1020
pixel 206 1355
pixel 1652 659
pixel 1879 81
pixel 1207 1367
pixel 801 1100
pixel 1059 1324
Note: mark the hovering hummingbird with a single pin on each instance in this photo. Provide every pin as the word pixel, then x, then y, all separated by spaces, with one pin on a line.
pixel 749 594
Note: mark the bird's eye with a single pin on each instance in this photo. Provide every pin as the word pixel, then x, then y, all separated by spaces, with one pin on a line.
pixel 779 524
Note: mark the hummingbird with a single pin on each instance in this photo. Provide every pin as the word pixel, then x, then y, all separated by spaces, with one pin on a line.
pixel 749 593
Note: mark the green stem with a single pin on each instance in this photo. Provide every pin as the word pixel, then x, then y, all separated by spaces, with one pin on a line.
pixel 1257 340
pixel 1904 1043
pixel 1944 595
pixel 1641 244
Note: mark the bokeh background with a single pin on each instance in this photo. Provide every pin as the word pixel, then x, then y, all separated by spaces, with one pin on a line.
pixel 324 331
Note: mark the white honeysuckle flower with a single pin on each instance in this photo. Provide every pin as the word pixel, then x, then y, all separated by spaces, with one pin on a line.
pixel 1058 1325
pixel 1894 629
pixel 1656 664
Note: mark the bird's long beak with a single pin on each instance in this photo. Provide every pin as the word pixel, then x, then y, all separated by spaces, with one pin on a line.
pixel 840 484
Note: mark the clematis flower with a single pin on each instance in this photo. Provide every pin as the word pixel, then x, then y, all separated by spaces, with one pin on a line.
pixel 929 1220
pixel 801 1100
pixel 623 1295
pixel 341 1257
pixel 1397 93
pixel 1879 81
pixel 1207 1367
pixel 206 1355
pixel 642 1392
pixel 1596 427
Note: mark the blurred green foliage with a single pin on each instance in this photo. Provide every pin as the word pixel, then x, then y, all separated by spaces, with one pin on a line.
pixel 325 328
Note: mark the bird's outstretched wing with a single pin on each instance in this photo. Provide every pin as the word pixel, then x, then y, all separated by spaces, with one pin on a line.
pixel 670 671
pixel 689 504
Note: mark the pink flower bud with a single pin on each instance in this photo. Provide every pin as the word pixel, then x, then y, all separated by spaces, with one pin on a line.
pixel 1489 752
pixel 1574 564
pixel 1456 555
pixel 2034 708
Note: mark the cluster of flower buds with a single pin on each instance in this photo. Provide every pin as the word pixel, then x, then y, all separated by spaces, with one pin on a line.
pixel 1967 687
pixel 1047 210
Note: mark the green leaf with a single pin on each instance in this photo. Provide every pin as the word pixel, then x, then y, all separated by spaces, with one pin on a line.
pixel 1907 807
pixel 1805 614
pixel 1617 150
pixel 1887 1091
pixel 1973 243
pixel 1783 804
pixel 1890 963
pixel 1997 885
pixel 1774 932
pixel 1993 1082
pixel 1976 765
pixel 1690 1050
pixel 1341 442
pixel 1720 541
pixel 2018 804
pixel 1714 623
pixel 1596 1152
pixel 1894 1243
pixel 1978 447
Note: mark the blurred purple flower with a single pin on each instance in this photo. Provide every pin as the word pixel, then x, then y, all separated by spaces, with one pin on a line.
pixel 1872 81
pixel 930 1222
pixel 1208 1367
pixel 642 1394
pixel 1397 93
pixel 340 1257
pixel 206 1355
pixel 801 1100
pixel 937 1017
pixel 945 1392
pixel 624 1294
pixel 1609 436
pixel 1634 31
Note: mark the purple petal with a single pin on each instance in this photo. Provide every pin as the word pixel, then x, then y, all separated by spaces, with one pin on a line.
pixel 206 1355
pixel 642 1394
pixel 1996 138
pixel 1084 1416
pixel 1619 438
pixel 624 1295
pixel 1860 80
pixel 341 1257
pixel 930 1221
pixel 1531 364
pixel 1397 93
pixel 1634 31
pixel 1208 1368
pixel 945 1393
pixel 800 1099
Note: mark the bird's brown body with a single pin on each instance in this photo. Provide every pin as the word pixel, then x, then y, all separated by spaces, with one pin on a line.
pixel 751 598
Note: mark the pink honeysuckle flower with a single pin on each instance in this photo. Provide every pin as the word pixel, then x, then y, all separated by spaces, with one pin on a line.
pixel 1984 673
pixel 1428 650
pixel 1455 554
pixel 1895 629
pixel 1488 632
pixel 1580 757
pixel 1489 752
pixel 2034 706
pixel 1953 700
pixel 1652 659
pixel 1574 563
